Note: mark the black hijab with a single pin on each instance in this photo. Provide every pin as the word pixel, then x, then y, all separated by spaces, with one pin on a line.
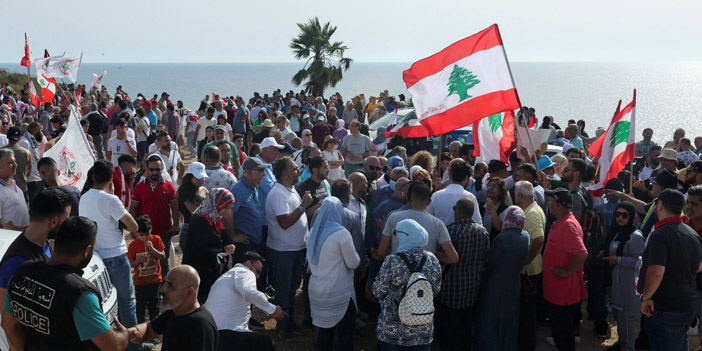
pixel 624 232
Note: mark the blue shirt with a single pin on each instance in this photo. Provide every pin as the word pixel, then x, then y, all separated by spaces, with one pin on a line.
pixel 249 215
pixel 153 119
pixel 237 126
pixel 267 183
pixel 380 195
pixel 9 267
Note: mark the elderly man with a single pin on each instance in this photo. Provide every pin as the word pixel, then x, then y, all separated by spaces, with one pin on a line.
pixel 249 215
pixel 392 162
pixel 359 188
pixel 386 192
pixel 30 141
pixel 673 144
pixel 22 156
pixel 13 208
pixel 371 168
pixel 218 177
pixel 269 153
pixel 185 325
pixel 571 133
pixel 454 148
pixel 356 147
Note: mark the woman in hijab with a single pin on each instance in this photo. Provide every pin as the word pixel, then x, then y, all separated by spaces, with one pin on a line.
pixel 204 250
pixel 622 250
pixel 390 283
pixel 340 132
pixel 332 260
pixel 498 327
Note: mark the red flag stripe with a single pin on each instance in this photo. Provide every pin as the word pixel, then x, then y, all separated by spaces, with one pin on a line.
pixel 471 111
pixel 596 148
pixel 417 131
pixel 480 41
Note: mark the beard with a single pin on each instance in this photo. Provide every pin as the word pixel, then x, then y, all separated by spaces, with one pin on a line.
pixel 297 180
pixel 84 263
pixel 169 305
pixel 155 177
pixel 567 179
pixel 52 233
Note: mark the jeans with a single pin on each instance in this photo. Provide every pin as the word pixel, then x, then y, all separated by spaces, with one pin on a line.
pixel 167 250
pixel 390 347
pixel 454 327
pixel 142 148
pixel 340 336
pixel 596 292
pixel 287 268
pixel 668 330
pixel 191 137
pixel 183 238
pixel 527 318
pixel 564 323
pixel 120 274
pixel 244 341
pixel 146 297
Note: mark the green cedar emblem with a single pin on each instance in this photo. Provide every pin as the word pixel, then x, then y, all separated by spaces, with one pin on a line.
pixel 495 122
pixel 620 134
pixel 460 81
pixel 405 121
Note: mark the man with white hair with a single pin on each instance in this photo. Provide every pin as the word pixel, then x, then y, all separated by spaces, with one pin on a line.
pixel 13 208
pixel 185 324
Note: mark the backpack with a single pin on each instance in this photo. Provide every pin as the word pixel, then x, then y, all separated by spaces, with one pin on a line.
pixel 416 306
pixel 591 223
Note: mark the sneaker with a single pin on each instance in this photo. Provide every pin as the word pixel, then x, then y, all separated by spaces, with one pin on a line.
pixel 256 325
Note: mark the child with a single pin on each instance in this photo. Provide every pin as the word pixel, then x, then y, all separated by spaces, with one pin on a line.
pixel 144 254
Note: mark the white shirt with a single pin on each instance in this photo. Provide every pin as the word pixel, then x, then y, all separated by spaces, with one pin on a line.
pixel 219 113
pixel 3 140
pixel 358 208
pixel 153 148
pixel 646 171
pixel 119 148
pixel 130 133
pixel 331 283
pixel 231 297
pixel 442 203
pixel 12 205
pixel 106 210
pixel 170 163
pixel 283 200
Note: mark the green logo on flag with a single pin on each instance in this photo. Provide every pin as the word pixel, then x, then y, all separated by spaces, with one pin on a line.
pixel 620 133
pixel 495 122
pixel 460 81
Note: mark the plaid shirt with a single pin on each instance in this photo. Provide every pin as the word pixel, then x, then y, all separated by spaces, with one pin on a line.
pixel 461 282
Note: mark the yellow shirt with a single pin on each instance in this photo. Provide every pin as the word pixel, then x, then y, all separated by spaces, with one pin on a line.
pixel 372 106
pixel 535 224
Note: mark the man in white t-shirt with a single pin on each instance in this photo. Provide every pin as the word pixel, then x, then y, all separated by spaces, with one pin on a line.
pixel 172 162
pixel 107 211
pixel 287 216
pixel 120 144
pixel 202 124
pixel 230 303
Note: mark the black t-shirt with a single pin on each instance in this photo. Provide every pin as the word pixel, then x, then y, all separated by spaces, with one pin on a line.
pixel 97 123
pixel 678 248
pixel 74 194
pixel 194 331
pixel 317 190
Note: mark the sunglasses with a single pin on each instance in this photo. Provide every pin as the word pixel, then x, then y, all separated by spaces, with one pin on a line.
pixel 375 168
pixel 5 123
pixel 395 231
pixel 621 214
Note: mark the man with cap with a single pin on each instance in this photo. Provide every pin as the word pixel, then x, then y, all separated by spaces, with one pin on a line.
pixel 250 228
pixel 220 134
pixel 202 125
pixel 150 114
pixel 23 158
pixel 320 130
pixel 669 160
pixel 270 150
pixel 394 161
pixel 267 125
pixel 671 259
pixel 563 261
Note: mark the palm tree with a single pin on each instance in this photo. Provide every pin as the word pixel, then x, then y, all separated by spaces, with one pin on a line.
pixel 324 58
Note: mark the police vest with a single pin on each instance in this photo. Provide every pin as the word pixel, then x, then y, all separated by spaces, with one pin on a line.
pixel 22 247
pixel 42 298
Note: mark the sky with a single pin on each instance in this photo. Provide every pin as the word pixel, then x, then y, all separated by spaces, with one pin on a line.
pixel 375 31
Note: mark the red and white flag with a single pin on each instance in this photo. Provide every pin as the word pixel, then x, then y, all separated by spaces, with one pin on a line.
pixel 26 60
pixel 616 147
pixel 407 126
pixel 493 136
pixel 97 80
pixel 48 89
pixel 463 83
pixel 33 94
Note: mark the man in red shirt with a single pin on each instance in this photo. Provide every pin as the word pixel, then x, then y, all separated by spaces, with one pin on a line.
pixel 156 197
pixel 123 178
pixel 563 261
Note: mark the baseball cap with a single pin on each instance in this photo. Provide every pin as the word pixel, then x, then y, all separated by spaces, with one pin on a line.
pixel 496 166
pixel 146 103
pixel 14 133
pixel 197 169
pixel 220 127
pixel 562 196
pixel 666 179
pixel 270 141
pixel 395 161
pixel 320 118
pixel 669 154
pixel 287 148
pixel 253 163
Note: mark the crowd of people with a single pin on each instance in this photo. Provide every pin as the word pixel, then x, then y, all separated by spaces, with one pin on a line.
pixel 279 191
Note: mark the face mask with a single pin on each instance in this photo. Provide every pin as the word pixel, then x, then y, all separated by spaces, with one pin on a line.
pixel 392 185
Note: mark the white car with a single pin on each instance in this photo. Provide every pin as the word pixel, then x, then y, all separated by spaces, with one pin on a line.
pixel 95 272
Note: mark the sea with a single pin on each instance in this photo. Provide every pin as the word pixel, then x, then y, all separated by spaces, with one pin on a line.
pixel 668 93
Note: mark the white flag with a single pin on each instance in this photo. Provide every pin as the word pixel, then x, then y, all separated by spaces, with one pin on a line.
pixel 72 153
pixel 97 80
pixel 59 67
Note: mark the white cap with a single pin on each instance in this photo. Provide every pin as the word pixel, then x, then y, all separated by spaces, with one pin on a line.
pixel 197 169
pixel 320 118
pixel 270 141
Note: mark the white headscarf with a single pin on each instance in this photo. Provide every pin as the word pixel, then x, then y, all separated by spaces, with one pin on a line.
pixel 341 124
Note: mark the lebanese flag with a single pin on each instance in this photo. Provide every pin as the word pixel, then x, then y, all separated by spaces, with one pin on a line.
pixel 493 136
pixel 463 83
pixel 78 95
pixel 33 94
pixel 407 126
pixel 26 61
pixel 48 89
pixel 46 53
pixel 616 147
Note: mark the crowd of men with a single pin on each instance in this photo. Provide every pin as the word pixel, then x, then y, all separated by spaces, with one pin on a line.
pixel 260 172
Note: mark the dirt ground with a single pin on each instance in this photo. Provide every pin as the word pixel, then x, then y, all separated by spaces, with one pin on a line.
pixel 365 339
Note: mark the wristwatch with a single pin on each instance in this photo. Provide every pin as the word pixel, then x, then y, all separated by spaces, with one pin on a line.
pixel 302 209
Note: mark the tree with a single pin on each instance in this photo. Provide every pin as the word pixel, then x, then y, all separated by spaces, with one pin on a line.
pixel 325 59
pixel 620 133
pixel 460 81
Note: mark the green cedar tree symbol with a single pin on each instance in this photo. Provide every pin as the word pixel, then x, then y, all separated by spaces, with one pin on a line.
pixel 460 81
pixel 407 118
pixel 495 122
pixel 620 134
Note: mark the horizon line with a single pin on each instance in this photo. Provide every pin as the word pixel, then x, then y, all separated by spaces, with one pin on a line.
pixel 374 62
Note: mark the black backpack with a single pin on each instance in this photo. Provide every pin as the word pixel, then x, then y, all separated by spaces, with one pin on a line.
pixel 590 221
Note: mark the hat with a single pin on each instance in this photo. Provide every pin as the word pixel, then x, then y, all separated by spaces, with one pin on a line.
pixel 395 161
pixel 287 148
pixel 561 196
pixel 197 169
pixel 381 136
pixel 14 133
pixel 320 118
pixel 672 198
pixel 328 139
pixel 267 124
pixel 220 127
pixel 270 141
pixel 277 135
pixel 306 116
pixel 545 162
pixel 253 163
pixel 146 103
pixel 496 166
pixel 669 154
pixel 666 179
